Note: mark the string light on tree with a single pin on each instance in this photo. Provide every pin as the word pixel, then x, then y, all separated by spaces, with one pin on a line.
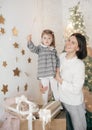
pixel 88 72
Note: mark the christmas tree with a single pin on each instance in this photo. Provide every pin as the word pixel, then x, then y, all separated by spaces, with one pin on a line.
pixel 76 22
pixel 88 72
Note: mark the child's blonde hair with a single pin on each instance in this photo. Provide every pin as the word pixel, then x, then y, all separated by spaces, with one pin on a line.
pixel 49 32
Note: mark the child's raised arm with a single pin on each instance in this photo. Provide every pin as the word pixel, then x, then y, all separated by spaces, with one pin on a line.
pixel 29 38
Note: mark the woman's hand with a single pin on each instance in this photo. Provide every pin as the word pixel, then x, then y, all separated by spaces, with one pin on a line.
pixel 58 78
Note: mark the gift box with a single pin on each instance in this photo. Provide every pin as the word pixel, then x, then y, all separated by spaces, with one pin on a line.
pixel 54 107
pixel 88 100
pixel 1 123
pixel 55 124
pixel 17 110
pixel 89 103
pixel 23 124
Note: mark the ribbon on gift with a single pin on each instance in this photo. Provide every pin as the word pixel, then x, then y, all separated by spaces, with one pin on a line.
pixel 32 108
pixel 18 101
pixel 30 117
pixel 45 116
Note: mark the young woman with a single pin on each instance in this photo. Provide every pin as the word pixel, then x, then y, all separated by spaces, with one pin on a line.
pixel 72 71
pixel 48 62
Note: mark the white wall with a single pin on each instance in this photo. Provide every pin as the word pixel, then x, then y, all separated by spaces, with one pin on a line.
pixel 23 16
pixel 32 16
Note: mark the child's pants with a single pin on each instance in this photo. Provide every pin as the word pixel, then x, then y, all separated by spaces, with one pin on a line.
pixel 47 82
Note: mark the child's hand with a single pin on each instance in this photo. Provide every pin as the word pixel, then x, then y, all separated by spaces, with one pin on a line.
pixel 42 89
pixel 29 38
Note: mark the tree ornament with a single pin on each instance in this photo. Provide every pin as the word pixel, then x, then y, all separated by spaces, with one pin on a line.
pixel 29 60
pixel 16 59
pixel 2 19
pixel 4 63
pixel 18 89
pixel 16 45
pixel 15 31
pixel 16 72
pixel 23 52
pixel 25 87
pixel 2 31
pixel 4 89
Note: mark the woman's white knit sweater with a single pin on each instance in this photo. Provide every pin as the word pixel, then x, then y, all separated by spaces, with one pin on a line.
pixel 73 74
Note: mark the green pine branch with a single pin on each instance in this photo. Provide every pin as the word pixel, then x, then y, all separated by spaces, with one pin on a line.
pixel 88 72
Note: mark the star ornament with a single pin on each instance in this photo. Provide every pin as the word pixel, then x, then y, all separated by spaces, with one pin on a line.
pixel 16 72
pixel 25 87
pixel 4 89
pixel 16 45
pixel 2 19
pixel 16 59
pixel 2 31
pixel 15 31
pixel 29 60
pixel 4 63
pixel 23 52
pixel 18 89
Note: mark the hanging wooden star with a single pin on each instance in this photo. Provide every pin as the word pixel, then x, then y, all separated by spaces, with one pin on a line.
pixel 16 45
pixel 2 31
pixel 16 72
pixel 29 60
pixel 25 87
pixel 26 74
pixel 23 52
pixel 16 59
pixel 15 31
pixel 18 89
pixel 4 63
pixel 4 89
pixel 2 19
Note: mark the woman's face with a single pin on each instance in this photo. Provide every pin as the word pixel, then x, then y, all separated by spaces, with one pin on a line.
pixel 71 45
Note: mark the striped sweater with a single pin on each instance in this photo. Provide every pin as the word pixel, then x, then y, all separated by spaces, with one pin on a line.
pixel 48 60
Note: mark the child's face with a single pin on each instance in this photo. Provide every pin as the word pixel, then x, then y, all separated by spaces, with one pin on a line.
pixel 47 39
pixel 71 45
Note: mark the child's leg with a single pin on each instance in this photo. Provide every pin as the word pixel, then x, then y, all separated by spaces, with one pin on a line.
pixel 54 88
pixel 45 83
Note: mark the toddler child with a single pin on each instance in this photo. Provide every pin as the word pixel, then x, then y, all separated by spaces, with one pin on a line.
pixel 48 62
